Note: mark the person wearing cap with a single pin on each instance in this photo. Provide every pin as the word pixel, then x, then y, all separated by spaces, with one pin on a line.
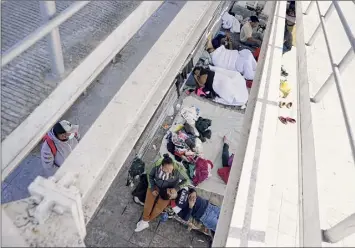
pixel 247 36
pixel 58 144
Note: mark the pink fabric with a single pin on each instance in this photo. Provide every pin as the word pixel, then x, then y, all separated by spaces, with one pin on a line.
pixel 224 173
pixel 201 170
pixel 200 92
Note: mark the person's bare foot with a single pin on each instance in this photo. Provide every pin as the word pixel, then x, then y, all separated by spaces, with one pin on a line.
pixel 225 140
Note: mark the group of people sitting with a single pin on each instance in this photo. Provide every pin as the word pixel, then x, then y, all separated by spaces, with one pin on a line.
pixel 168 185
pixel 225 79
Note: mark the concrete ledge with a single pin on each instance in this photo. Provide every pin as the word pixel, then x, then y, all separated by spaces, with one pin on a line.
pixel 103 150
pixel 26 136
pixel 245 207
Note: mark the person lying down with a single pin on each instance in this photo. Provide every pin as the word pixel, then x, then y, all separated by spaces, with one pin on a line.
pixel 223 86
pixel 241 61
pixel 186 203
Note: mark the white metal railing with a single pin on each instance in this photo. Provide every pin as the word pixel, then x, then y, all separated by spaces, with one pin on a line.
pixel 347 226
pixel 48 10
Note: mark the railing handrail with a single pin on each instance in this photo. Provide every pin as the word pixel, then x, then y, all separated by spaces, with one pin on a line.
pixel 309 223
pixel 41 32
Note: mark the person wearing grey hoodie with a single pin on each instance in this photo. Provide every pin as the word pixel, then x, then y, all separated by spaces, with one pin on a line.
pixel 58 144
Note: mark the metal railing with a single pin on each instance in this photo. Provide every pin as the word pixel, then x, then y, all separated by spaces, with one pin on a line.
pixel 50 28
pixel 310 216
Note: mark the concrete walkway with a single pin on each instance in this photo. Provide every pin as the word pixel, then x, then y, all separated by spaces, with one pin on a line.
pixel 23 81
pixel 87 108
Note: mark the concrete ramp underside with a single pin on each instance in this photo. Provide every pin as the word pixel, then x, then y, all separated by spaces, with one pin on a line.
pixel 23 84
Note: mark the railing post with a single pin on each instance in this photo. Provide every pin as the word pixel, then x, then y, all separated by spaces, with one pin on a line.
pixel 349 56
pixel 309 8
pixel 340 231
pixel 48 11
pixel 319 27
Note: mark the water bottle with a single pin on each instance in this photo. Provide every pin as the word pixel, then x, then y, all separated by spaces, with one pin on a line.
pixel 164 217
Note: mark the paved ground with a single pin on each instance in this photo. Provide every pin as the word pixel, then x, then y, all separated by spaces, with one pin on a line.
pixel 23 84
pixel 87 108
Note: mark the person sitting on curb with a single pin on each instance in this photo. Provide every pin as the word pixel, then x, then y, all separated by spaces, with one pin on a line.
pixel 58 143
pixel 165 174
pixel 186 203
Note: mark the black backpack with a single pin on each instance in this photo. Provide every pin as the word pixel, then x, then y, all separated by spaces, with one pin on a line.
pixel 137 168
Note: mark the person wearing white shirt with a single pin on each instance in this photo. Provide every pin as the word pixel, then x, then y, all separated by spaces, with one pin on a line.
pixel 247 36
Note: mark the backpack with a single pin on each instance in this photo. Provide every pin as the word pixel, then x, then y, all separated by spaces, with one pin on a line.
pixel 137 168
pixel 51 144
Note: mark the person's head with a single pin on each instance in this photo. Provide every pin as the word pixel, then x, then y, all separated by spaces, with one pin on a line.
pixel 168 194
pixel 219 40
pixel 254 21
pixel 167 164
pixel 64 130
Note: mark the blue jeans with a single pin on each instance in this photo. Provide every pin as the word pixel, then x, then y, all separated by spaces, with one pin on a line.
pixel 210 218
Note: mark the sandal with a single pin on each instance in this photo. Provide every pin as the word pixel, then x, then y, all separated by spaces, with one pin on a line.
pixel 283 120
pixel 291 120
pixel 284 104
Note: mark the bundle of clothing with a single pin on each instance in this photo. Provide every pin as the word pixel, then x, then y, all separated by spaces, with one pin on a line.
pixel 185 143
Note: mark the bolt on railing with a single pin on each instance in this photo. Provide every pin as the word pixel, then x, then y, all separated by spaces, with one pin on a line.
pixel 347 226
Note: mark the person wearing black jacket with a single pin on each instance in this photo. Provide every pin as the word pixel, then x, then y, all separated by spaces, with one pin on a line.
pixel 187 204
pixel 165 174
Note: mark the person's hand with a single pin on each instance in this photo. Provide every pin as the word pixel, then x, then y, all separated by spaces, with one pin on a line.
pixel 155 193
pixel 173 191
pixel 193 195
pixel 192 200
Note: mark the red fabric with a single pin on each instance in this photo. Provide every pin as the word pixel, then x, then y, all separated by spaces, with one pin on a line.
pixel 249 83
pixel 51 144
pixel 224 173
pixel 201 170
pixel 256 53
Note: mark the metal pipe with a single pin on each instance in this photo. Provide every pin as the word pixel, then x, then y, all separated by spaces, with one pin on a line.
pixel 346 60
pixel 318 29
pixel 40 32
pixel 48 10
pixel 309 8
pixel 340 231
pixel 345 24
pixel 339 86
pixel 309 223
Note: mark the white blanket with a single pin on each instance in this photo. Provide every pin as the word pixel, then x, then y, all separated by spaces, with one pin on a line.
pixel 230 22
pixel 241 61
pixel 230 86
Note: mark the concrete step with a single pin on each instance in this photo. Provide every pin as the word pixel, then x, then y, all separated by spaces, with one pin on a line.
pixel 23 80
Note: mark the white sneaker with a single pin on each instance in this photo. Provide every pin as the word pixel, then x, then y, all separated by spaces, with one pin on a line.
pixel 141 225
pixel 136 200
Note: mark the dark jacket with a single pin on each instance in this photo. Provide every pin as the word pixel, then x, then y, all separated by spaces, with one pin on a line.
pixel 178 179
pixel 182 208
